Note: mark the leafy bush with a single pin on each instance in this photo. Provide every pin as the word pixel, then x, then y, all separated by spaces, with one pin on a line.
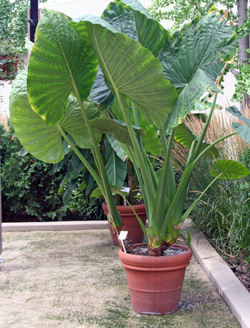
pixel 29 187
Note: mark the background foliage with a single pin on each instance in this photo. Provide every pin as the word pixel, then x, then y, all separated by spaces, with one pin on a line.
pixel 13 20
pixel 29 187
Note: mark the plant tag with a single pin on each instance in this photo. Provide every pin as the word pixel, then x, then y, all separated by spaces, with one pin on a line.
pixel 125 189
pixel 123 236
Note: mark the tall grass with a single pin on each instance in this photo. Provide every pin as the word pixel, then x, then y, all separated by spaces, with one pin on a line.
pixel 4 118
pixel 223 214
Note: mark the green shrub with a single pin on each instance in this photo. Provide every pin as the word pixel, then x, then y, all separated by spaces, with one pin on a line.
pixel 28 186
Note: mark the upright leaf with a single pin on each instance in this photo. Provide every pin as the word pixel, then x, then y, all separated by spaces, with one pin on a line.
pixel 61 61
pixel 131 70
pixel 193 58
pixel 116 168
pixel 132 19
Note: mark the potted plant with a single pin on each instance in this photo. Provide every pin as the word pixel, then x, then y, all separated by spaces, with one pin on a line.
pixel 9 59
pixel 156 80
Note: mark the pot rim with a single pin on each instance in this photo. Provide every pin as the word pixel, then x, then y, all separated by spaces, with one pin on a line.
pixel 160 261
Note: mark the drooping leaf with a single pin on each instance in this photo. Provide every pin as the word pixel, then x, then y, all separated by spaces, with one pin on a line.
pixel 235 112
pixel 131 70
pixel 115 191
pixel 61 61
pixel 74 124
pixel 117 128
pixel 40 139
pixel 192 59
pixel 116 168
pixel 117 147
pixel 68 192
pixel 185 137
pixel 229 169
pixel 242 130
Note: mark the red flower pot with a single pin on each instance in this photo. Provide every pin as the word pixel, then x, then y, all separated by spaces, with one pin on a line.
pixel 130 222
pixel 155 283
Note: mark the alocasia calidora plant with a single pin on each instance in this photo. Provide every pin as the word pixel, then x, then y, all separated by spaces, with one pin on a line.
pixel 155 80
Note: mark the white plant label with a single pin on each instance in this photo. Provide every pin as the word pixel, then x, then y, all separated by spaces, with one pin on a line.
pixel 122 236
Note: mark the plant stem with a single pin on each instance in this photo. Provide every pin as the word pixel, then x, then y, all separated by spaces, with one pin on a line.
pixel 81 157
pixel 105 186
pixel 138 154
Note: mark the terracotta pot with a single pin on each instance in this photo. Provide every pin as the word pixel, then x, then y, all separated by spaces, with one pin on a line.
pixel 155 283
pixel 130 222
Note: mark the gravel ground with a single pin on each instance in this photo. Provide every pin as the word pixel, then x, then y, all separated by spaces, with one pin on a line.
pixel 75 279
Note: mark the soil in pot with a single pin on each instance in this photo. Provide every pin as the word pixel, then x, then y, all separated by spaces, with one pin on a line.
pixel 155 282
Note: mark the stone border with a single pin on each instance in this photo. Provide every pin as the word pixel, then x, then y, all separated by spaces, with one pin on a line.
pixel 228 285
pixel 230 288
pixel 54 226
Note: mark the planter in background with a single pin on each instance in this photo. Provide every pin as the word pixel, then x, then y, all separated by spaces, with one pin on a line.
pixel 155 283
pixel 130 222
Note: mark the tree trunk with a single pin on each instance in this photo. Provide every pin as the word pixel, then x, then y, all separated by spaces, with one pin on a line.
pixel 242 14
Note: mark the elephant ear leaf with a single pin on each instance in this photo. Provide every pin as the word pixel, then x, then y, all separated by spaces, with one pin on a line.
pixel 132 19
pixel 193 58
pixel 61 63
pixel 229 169
pixel 39 139
pixel 242 130
pixel 132 71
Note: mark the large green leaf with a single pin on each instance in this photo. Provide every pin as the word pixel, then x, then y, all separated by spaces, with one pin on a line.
pixel 61 61
pixel 229 169
pixel 116 168
pixel 192 59
pixel 40 139
pixel 132 19
pixel 131 70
